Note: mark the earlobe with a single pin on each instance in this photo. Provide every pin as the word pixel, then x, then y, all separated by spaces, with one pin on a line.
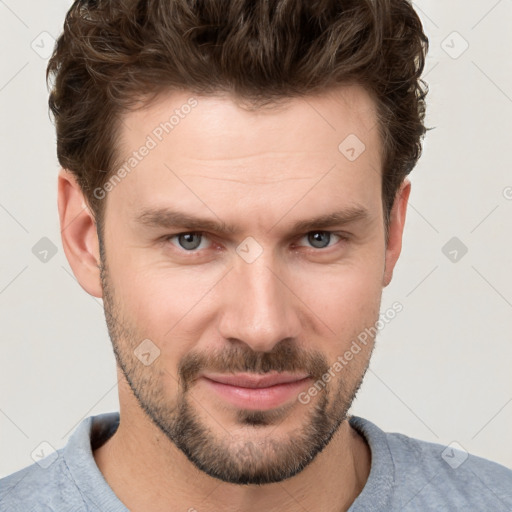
pixel 396 229
pixel 78 233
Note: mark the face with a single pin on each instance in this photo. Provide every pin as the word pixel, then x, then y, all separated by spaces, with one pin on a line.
pixel 257 286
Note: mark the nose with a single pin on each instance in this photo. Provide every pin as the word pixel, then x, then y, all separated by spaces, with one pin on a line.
pixel 259 309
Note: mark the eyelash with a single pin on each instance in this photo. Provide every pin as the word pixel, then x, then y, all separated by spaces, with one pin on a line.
pixel 344 237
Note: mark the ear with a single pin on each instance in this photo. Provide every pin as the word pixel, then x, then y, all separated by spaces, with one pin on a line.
pixel 396 229
pixel 78 234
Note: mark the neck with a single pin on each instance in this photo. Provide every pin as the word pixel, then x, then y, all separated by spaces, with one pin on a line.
pixel 146 470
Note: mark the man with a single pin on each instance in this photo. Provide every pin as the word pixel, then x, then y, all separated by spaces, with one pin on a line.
pixel 234 186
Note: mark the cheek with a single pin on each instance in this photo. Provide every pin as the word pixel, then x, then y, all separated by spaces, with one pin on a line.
pixel 164 303
pixel 343 295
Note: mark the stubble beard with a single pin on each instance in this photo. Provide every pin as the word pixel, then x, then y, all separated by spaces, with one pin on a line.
pixel 266 458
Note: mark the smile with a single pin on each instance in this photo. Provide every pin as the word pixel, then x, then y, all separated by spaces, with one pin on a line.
pixel 256 392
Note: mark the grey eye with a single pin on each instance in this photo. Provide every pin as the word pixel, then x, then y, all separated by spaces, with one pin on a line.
pixel 319 239
pixel 189 241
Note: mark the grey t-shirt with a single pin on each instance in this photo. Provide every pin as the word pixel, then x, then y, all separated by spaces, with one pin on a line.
pixel 406 474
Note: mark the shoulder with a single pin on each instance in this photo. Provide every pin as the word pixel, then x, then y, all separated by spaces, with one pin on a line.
pixel 41 487
pixel 450 473
pixel 432 476
pixel 66 480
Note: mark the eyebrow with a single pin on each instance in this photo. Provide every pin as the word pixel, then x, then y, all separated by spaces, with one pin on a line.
pixel 169 219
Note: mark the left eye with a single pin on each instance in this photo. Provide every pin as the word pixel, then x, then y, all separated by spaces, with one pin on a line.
pixel 320 239
pixel 192 241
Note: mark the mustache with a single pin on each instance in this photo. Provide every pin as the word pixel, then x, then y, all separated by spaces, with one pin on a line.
pixel 286 356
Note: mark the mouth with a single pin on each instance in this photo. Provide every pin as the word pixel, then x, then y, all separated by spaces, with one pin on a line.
pixel 256 392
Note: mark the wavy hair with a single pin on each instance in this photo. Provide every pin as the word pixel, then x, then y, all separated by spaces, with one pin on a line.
pixel 116 54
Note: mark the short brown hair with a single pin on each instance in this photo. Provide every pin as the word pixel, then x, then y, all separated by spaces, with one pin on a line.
pixel 113 54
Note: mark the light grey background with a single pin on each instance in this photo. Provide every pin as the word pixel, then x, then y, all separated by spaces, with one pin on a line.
pixel 442 368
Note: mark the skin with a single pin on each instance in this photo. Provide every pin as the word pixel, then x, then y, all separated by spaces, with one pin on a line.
pixel 297 306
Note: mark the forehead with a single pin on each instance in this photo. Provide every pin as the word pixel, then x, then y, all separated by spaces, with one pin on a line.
pixel 206 151
pixel 318 122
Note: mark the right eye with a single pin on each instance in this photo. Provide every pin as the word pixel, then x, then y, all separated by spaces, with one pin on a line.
pixel 188 241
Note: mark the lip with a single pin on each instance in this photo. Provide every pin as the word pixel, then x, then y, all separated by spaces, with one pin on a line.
pixel 248 380
pixel 256 392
